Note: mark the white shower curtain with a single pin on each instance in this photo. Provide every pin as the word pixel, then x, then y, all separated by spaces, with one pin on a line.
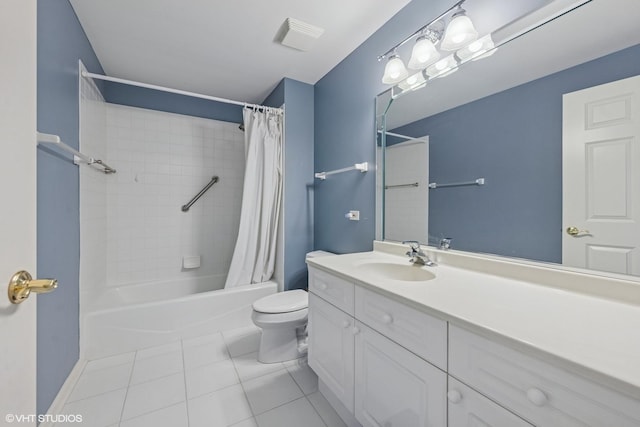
pixel 254 255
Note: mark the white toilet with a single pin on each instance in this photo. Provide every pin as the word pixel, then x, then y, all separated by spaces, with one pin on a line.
pixel 283 319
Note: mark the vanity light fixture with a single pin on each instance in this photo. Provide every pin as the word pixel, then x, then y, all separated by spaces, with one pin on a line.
pixel 458 34
pixel 460 31
pixel 394 71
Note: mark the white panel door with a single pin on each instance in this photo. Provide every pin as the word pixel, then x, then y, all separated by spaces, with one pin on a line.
pixel 406 194
pixel 394 387
pixel 601 177
pixel 331 348
pixel 18 213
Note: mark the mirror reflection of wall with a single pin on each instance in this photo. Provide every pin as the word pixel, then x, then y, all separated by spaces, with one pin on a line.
pixel 513 139
pixel 406 199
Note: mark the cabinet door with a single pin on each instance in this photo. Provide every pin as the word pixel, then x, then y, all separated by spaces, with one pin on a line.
pixel 468 408
pixel 394 387
pixel 331 348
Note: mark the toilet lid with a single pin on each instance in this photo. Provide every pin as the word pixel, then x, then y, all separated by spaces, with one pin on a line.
pixel 283 302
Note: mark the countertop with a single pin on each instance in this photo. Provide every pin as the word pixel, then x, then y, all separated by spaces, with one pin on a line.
pixel 599 334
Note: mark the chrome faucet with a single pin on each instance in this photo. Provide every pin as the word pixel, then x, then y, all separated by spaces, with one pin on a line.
pixel 417 256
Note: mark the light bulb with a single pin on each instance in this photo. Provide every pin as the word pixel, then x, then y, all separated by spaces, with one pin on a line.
pixel 394 71
pixel 459 32
pixel 412 82
pixel 480 48
pixel 424 53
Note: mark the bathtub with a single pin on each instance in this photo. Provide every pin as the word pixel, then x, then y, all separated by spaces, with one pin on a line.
pixel 120 323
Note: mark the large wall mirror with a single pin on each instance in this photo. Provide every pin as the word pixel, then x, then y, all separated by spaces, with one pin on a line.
pixel 530 153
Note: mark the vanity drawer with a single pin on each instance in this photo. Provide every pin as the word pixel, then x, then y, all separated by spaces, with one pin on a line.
pixel 415 330
pixel 536 390
pixel 332 289
pixel 467 407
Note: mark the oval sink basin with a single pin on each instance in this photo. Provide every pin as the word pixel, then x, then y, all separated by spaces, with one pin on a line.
pixel 406 273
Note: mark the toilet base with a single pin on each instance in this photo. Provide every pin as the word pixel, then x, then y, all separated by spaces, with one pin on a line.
pixel 278 345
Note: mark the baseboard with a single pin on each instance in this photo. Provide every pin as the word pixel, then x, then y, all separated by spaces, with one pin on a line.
pixel 65 391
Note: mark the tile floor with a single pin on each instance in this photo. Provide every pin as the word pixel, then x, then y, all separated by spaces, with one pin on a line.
pixel 212 381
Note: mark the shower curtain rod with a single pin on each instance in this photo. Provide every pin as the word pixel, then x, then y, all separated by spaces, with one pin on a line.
pixel 176 91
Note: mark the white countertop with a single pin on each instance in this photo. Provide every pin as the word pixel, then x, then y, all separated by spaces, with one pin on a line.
pixel 599 334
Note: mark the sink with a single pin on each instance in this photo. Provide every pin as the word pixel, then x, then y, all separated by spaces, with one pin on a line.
pixel 403 272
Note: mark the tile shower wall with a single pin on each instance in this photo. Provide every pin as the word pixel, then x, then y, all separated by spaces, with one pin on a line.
pixel 93 193
pixel 163 160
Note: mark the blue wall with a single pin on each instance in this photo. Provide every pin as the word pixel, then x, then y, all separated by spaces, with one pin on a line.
pixel 514 140
pixel 345 129
pixel 133 96
pixel 61 42
pixel 298 177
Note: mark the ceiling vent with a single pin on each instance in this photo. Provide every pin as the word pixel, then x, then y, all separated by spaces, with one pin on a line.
pixel 299 35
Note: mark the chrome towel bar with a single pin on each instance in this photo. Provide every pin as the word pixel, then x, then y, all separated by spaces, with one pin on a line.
pixel 186 207
pixel 413 184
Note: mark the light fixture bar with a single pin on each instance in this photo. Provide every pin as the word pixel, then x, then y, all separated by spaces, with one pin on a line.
pixel 412 36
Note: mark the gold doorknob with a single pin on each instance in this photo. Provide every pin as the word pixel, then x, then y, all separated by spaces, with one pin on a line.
pixel 574 231
pixel 22 284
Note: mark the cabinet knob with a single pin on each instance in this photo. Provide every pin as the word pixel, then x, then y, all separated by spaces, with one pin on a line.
pixel 387 319
pixel 536 396
pixel 355 330
pixel 346 324
pixel 454 396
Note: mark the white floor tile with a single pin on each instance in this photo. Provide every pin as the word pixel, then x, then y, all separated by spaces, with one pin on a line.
pixel 98 411
pixel 172 416
pixel 204 350
pixel 158 350
pixel 99 381
pixel 208 378
pixel 107 362
pixel 242 341
pixel 251 422
pixel 326 411
pixel 303 375
pixel 221 408
pixel 269 391
pixel 296 413
pixel 153 395
pixel 158 366
pixel 248 366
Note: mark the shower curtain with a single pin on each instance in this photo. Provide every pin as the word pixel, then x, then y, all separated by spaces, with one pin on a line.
pixel 254 255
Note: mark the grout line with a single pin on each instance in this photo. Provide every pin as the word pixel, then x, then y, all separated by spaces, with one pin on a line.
pixel 316 410
pixel 184 377
pixel 126 393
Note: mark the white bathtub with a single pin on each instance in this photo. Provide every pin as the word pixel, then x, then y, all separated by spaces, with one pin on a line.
pixel 121 324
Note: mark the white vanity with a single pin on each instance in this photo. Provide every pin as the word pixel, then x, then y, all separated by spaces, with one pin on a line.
pixel 482 342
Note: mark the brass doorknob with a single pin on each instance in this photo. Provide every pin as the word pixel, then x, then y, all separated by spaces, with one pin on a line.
pixel 574 231
pixel 22 284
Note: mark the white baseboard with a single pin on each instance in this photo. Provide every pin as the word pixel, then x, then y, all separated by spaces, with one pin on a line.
pixel 65 391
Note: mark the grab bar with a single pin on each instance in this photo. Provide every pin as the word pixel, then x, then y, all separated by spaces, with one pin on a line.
pixel 186 207
pixel 413 184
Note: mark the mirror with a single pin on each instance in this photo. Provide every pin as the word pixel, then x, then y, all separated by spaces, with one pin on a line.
pixel 495 131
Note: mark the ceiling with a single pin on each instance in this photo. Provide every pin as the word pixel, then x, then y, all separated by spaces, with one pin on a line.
pixel 224 48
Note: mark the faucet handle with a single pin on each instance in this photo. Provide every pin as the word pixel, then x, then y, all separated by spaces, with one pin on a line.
pixel 413 244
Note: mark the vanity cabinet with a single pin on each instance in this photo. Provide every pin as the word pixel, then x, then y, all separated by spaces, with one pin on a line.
pixel 394 387
pixel 540 392
pixel 332 348
pixel 391 364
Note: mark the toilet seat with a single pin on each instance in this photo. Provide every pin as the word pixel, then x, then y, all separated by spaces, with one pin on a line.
pixel 282 302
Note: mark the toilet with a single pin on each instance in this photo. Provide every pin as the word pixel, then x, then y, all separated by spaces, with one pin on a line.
pixel 283 320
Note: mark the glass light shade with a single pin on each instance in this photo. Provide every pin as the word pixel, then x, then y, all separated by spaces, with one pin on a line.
pixel 459 32
pixel 424 53
pixel 443 67
pixel 394 71
pixel 478 49
pixel 414 81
